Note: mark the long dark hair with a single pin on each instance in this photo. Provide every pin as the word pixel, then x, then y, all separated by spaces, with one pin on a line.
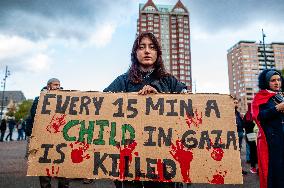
pixel 135 74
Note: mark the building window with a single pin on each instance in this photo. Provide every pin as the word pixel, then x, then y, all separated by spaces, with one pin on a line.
pixel 149 8
pixel 181 55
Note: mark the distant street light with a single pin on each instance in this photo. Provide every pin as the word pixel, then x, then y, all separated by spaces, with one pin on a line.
pixel 7 73
pixel 263 35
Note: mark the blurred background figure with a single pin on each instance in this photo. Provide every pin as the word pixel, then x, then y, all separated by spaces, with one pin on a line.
pixel 20 128
pixel 11 126
pixel 240 127
pixel 250 139
pixel 3 128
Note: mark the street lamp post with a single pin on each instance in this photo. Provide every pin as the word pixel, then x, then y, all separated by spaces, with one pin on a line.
pixel 265 62
pixel 7 73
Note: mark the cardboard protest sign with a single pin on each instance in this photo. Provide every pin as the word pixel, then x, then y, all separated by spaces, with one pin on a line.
pixel 125 136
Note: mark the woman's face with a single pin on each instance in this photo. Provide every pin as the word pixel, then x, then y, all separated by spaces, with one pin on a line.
pixel 146 53
pixel 275 83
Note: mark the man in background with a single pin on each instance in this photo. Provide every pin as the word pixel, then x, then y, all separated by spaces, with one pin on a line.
pixel 45 181
pixel 240 127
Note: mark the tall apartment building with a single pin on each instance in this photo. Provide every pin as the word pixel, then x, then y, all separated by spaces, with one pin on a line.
pixel 246 60
pixel 170 24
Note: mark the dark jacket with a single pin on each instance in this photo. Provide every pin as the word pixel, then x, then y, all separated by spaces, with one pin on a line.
pixel 11 124
pixel 271 122
pixel 3 126
pixel 239 122
pixel 249 126
pixel 30 119
pixel 168 84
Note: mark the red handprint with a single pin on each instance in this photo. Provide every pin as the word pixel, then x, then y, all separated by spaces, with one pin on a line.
pixel 218 178
pixel 77 154
pixel 184 157
pixel 196 119
pixel 52 172
pixel 125 152
pixel 217 153
pixel 56 123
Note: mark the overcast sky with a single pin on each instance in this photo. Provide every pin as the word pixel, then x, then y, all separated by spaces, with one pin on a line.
pixel 87 43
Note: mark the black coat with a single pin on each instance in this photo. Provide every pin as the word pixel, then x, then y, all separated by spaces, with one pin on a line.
pixel 168 84
pixel 11 124
pixel 3 125
pixel 30 119
pixel 239 122
pixel 271 121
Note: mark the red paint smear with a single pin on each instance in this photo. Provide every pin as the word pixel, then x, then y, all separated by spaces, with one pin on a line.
pixel 125 152
pixel 160 169
pixel 52 173
pixel 137 178
pixel 196 119
pixel 184 157
pixel 218 153
pixel 218 178
pixel 56 123
pixel 77 154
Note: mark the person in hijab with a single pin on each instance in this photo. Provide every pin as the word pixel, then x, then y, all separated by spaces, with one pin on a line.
pixel 268 113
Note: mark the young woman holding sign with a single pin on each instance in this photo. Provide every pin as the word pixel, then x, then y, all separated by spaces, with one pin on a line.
pixel 146 75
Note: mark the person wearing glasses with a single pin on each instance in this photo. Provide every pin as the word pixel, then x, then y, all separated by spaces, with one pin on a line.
pixel 146 75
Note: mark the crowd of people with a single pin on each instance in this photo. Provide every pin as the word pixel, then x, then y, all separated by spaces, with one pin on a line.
pixel 147 74
pixel 12 125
